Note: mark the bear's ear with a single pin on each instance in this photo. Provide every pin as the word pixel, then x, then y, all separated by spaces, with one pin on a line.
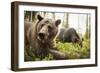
pixel 39 17
pixel 57 22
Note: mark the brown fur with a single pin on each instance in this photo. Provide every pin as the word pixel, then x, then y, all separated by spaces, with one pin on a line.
pixel 42 45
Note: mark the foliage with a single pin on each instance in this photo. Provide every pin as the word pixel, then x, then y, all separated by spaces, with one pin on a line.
pixel 72 50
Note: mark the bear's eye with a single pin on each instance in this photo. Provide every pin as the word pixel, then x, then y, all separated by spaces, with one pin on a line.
pixel 42 25
pixel 49 28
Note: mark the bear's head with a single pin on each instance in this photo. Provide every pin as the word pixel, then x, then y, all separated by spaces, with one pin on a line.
pixel 47 29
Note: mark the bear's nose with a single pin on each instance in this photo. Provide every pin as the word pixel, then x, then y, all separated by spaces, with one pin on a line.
pixel 41 35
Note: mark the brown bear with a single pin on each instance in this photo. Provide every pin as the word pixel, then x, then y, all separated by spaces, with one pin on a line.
pixel 40 36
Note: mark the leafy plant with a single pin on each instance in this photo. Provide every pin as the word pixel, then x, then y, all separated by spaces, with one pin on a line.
pixel 72 50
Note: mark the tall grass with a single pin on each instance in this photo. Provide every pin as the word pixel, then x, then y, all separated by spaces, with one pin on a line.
pixel 72 50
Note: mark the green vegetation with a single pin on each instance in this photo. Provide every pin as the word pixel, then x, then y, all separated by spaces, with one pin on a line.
pixel 72 50
pixel 31 57
pixel 75 51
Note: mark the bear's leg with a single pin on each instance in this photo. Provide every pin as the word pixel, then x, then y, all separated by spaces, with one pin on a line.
pixel 58 55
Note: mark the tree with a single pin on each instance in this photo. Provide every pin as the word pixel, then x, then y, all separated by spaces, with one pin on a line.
pixel 30 15
pixel 53 15
pixel 87 33
pixel 79 24
pixel 65 20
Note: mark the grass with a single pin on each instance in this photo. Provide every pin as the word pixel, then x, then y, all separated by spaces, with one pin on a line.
pixel 73 51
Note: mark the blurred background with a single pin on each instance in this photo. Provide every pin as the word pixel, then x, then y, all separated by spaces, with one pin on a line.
pixel 80 22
